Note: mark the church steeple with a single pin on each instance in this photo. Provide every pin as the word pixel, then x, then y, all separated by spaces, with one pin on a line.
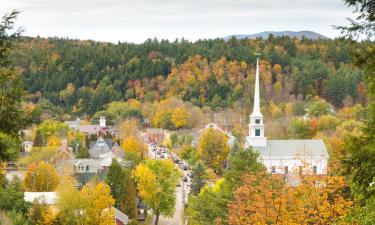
pixel 256 109
pixel 256 127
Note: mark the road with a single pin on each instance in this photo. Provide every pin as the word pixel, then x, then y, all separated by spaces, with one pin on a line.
pixel 181 193
pixel 177 218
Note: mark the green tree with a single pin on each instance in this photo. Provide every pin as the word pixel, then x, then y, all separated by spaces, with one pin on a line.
pixel 9 147
pixel 318 108
pixel 12 117
pixel 12 197
pixel 122 188
pixel 211 204
pixel 156 183
pixel 198 176
pixel 299 128
pixel 83 153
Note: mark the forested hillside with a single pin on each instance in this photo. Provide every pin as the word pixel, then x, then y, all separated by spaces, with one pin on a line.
pixel 81 77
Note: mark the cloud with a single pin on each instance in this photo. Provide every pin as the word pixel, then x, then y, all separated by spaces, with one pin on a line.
pixel 129 20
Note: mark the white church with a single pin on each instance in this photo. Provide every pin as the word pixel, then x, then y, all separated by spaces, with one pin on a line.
pixel 284 156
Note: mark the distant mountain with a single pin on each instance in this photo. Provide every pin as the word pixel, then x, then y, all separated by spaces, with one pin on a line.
pixel 298 34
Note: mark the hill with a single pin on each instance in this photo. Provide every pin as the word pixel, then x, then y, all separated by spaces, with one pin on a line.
pixel 293 34
pixel 82 77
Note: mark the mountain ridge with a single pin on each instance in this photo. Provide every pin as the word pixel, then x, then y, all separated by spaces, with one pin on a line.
pixel 293 34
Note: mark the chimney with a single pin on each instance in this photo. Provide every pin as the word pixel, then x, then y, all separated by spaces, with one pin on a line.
pixel 102 121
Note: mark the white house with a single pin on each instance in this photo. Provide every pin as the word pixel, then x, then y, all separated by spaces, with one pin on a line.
pixel 284 156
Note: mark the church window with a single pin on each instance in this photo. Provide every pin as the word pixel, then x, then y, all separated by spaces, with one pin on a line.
pixel 257 132
pixel 257 121
pixel 315 169
pixel 286 170
pixel 273 169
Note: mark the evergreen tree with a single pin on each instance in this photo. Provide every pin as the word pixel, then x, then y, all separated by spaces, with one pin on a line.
pixel 83 153
pixel 336 90
pixel 198 176
pixel 122 188
pixel 38 140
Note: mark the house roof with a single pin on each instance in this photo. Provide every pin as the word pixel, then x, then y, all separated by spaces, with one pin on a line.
pixel 93 164
pixel 49 198
pixel 294 148
pixel 155 131
pixel 96 164
pixel 117 151
pixel 100 147
pixel 121 216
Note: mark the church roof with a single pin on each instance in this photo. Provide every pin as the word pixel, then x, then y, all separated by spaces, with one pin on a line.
pixel 294 148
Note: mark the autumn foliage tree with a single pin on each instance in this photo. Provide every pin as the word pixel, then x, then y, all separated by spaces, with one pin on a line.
pixel 156 183
pixel 213 149
pixel 92 205
pixel 41 177
pixel 267 199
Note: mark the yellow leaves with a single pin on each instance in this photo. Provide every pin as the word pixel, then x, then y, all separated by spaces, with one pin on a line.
pixel 54 141
pixel 213 148
pixel 132 144
pixel 41 177
pixel 180 117
pixel 100 202
pixel 156 181
pixel 94 202
pixel 146 182
pixel 275 111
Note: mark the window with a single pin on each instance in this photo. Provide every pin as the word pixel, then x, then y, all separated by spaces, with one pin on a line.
pixel 257 132
pixel 300 170
pixel 315 169
pixel 273 169
pixel 286 170
pixel 257 121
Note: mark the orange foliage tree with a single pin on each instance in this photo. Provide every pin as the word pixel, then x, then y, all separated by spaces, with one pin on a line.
pixel 266 199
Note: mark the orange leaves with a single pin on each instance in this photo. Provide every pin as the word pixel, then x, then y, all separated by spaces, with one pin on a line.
pixel 41 177
pixel 265 199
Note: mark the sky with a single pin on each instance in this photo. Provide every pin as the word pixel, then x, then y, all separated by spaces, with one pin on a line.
pixel 138 20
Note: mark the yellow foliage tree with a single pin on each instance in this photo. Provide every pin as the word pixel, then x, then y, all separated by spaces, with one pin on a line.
pixel 180 117
pixel 54 141
pixel 41 177
pixel 213 149
pixel 94 204
pixel 132 144
pixel 156 183
pixel 100 211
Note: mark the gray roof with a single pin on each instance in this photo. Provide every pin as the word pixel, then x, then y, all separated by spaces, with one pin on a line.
pixel 117 151
pixel 121 216
pixel 93 164
pixel 99 147
pixel 293 148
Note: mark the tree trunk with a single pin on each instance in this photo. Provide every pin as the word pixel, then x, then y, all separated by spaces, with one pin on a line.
pixel 157 219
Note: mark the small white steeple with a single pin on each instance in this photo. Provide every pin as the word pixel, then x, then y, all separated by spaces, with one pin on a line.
pixel 256 127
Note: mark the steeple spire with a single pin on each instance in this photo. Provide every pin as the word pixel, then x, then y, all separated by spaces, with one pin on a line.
pixel 256 109
pixel 256 136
